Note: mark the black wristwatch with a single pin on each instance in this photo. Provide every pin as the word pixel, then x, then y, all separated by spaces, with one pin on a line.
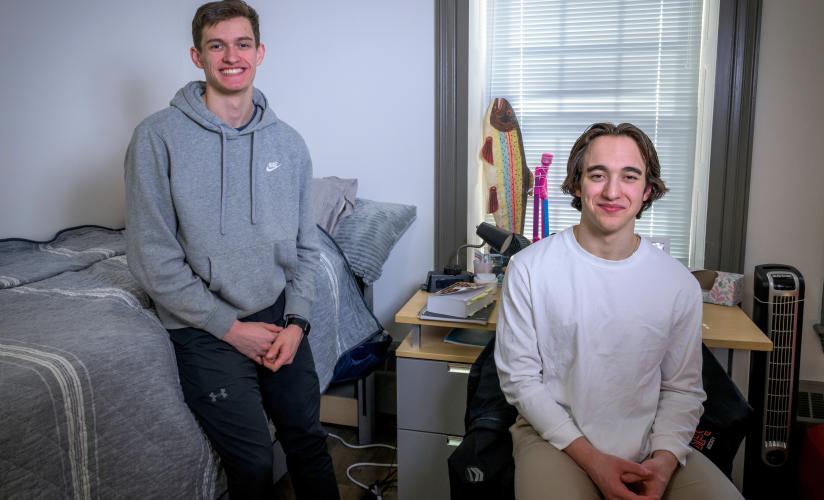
pixel 294 319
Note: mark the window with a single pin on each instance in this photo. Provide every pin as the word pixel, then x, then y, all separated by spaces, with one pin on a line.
pixel 566 64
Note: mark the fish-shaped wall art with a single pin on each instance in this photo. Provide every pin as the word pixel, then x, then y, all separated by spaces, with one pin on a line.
pixel 507 177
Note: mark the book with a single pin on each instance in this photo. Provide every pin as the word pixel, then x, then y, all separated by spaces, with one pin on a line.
pixel 469 336
pixel 461 300
pixel 481 317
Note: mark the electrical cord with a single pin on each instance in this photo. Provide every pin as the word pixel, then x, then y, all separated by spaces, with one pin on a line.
pixel 376 489
pixel 361 446
pixel 366 464
pixel 382 485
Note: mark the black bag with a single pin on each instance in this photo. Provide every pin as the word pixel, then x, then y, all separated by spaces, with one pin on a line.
pixel 482 467
pixel 726 414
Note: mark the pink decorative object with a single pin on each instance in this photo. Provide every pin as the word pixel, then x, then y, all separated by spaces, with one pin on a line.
pixel 540 205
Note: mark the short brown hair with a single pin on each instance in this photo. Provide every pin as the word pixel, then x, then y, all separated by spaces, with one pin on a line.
pixel 575 164
pixel 212 13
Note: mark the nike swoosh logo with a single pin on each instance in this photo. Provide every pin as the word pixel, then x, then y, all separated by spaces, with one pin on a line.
pixel 272 166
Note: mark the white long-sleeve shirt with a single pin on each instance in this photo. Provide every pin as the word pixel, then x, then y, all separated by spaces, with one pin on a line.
pixel 610 350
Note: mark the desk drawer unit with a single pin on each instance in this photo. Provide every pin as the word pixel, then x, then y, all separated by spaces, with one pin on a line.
pixel 431 407
pixel 432 395
pixel 423 472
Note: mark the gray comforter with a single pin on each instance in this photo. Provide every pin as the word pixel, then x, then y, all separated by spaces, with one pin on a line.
pixel 90 405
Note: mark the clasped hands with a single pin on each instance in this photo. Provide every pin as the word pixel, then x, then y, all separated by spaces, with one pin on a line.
pixel 622 479
pixel 264 343
pixel 648 480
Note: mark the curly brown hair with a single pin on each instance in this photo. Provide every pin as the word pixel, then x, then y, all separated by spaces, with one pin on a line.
pixel 575 164
pixel 212 13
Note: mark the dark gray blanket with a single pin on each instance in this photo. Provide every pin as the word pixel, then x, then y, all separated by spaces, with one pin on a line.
pixel 91 405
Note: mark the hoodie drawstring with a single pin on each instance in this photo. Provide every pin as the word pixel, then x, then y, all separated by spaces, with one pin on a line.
pixel 253 180
pixel 222 177
pixel 223 181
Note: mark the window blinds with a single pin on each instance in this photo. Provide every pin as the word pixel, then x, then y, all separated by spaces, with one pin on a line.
pixel 564 65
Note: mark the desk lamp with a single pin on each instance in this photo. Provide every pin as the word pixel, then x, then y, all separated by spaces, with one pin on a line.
pixel 500 240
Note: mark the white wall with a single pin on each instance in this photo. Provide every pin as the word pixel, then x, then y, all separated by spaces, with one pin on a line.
pixel 355 78
pixel 786 207
pixel 73 87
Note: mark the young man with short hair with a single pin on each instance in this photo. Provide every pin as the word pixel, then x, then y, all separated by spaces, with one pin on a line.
pixel 220 234
pixel 599 343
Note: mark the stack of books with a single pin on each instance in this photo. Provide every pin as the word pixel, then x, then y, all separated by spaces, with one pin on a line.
pixel 461 302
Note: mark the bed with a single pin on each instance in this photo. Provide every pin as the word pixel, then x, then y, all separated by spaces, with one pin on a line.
pixel 91 405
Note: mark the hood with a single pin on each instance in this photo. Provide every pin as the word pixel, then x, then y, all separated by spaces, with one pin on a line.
pixel 189 100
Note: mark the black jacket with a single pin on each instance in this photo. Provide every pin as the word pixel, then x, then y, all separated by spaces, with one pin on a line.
pixel 482 466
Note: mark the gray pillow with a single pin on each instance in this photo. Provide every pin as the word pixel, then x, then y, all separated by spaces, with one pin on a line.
pixel 368 235
pixel 333 199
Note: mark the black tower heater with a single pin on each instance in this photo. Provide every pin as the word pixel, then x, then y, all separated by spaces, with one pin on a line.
pixel 778 309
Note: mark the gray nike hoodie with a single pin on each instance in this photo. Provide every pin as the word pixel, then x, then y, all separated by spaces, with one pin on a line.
pixel 218 221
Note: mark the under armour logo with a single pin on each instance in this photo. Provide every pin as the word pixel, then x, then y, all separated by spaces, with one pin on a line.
pixel 474 475
pixel 222 395
pixel 272 166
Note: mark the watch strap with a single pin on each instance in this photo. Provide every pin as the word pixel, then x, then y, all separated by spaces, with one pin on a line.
pixel 301 322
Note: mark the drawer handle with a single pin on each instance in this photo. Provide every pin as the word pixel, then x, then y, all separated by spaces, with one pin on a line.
pixel 454 441
pixel 459 368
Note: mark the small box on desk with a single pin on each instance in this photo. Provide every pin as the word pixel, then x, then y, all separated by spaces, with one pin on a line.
pixel 719 287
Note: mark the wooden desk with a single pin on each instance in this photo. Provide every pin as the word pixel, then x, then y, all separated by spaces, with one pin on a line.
pixel 723 327
pixel 408 315
pixel 730 328
pixel 431 346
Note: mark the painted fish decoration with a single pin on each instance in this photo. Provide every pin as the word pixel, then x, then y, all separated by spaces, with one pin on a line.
pixel 507 177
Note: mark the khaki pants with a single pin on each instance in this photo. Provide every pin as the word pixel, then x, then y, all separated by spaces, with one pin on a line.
pixel 544 472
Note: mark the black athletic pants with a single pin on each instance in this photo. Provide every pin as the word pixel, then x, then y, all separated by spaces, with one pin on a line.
pixel 228 393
